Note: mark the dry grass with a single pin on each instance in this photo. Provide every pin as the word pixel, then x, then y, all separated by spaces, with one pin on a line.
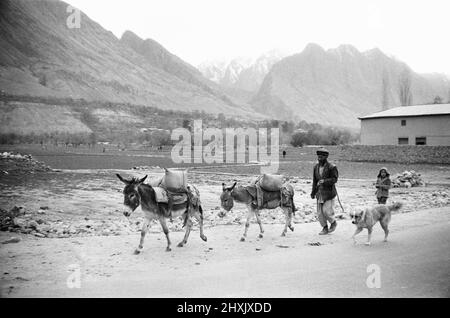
pixel 27 118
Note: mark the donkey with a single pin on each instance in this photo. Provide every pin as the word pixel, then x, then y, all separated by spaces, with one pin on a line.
pixel 137 193
pixel 242 195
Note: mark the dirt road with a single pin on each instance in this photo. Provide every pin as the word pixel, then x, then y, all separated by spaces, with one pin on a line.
pixel 415 262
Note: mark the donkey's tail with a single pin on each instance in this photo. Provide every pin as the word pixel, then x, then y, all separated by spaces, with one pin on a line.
pixel 186 217
pixel 294 208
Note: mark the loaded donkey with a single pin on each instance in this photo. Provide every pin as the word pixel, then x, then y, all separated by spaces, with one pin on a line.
pixel 268 192
pixel 136 194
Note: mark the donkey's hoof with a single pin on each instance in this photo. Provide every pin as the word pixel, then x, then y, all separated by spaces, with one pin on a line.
pixel 204 238
pixel 180 244
pixel 283 234
pixel 168 249
pixel 137 251
pixel 260 235
pixel 291 228
pixel 242 239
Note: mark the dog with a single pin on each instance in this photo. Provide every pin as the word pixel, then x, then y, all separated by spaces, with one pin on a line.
pixel 368 217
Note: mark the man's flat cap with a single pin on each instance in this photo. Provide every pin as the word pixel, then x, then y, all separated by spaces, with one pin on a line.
pixel 322 151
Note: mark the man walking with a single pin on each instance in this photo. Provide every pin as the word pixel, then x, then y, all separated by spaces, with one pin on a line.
pixel 325 175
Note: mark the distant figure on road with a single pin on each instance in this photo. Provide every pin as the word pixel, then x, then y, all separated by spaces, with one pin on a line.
pixel 325 175
pixel 284 154
pixel 383 185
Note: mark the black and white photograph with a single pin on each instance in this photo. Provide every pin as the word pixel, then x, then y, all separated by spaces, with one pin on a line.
pixel 244 150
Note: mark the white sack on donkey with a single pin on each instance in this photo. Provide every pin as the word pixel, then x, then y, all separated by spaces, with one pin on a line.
pixel 175 180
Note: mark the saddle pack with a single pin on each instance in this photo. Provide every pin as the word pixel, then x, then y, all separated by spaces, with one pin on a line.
pixel 270 182
pixel 173 189
pixel 175 180
pixel 270 191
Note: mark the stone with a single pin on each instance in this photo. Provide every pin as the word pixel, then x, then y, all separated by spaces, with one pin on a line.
pixel 19 222
pixel 44 228
pixel 33 224
pixel 12 240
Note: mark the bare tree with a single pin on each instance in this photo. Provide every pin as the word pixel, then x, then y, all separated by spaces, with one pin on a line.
pixel 404 88
pixel 385 91
pixel 437 100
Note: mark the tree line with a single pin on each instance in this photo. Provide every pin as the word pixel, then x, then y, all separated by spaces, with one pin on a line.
pixel 161 123
pixel 55 138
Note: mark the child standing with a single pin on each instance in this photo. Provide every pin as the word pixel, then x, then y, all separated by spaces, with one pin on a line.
pixel 383 185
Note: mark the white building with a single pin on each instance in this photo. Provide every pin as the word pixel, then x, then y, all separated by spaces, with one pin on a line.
pixel 408 125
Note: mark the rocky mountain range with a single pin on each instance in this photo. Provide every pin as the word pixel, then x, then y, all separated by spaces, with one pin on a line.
pixel 242 73
pixel 40 55
pixel 335 86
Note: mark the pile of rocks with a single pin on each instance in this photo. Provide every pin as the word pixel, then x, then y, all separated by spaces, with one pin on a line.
pixel 10 162
pixel 10 155
pixel 39 224
pixel 7 217
pixel 147 168
pixel 407 179
pixel 394 153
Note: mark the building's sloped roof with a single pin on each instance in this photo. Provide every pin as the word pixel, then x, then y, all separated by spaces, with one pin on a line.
pixel 406 111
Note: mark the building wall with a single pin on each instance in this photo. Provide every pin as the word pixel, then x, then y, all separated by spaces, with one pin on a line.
pixel 386 131
pixel 392 153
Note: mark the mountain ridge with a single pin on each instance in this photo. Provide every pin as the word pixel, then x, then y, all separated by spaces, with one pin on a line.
pixel 42 57
pixel 241 73
pixel 335 86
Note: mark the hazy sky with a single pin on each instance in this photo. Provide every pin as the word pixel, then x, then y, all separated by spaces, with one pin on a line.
pixel 416 32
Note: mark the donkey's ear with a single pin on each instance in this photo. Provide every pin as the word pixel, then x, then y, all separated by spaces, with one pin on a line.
pixel 223 186
pixel 143 179
pixel 232 187
pixel 122 179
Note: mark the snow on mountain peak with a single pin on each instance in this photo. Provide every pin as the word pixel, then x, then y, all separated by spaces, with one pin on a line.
pixel 241 72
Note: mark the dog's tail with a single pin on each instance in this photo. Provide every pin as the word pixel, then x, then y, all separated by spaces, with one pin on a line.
pixel 395 206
